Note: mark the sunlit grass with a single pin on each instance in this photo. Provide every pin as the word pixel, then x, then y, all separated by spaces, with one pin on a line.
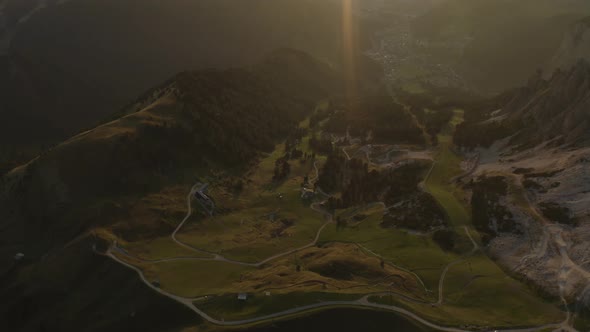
pixel 412 252
pixel 476 290
pixel 446 166
pixel 247 232
pixel 198 278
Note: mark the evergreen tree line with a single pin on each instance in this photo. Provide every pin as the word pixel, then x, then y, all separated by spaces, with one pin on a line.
pixel 386 120
pixel 358 185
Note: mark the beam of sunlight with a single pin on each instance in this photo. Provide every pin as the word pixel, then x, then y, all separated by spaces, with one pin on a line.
pixel 349 44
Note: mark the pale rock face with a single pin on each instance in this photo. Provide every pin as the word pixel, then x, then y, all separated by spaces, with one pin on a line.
pixel 575 46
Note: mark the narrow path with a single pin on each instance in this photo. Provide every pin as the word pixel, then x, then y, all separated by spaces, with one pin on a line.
pixel 186 217
pixel 429 173
pixel 315 179
pixel 441 281
pixel 346 153
pixel 220 258
pixel 475 245
pixel 317 173
pixel 394 265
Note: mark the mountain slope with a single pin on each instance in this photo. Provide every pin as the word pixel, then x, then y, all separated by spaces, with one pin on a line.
pixel 557 107
pixel 77 290
pixel 129 176
pixel 575 46
pixel 502 34
pixel 545 109
pixel 529 180
pixel 201 120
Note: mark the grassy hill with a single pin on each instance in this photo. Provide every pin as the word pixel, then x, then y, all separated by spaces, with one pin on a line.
pixel 201 121
pixel 131 173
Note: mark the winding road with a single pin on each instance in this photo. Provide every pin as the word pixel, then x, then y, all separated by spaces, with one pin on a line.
pixel 441 282
pixel 220 258
pixel 361 303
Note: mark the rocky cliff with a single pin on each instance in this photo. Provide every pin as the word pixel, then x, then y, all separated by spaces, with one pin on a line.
pixel 575 46
pixel 553 109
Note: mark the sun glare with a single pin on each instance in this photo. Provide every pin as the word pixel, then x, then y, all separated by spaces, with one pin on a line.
pixel 348 45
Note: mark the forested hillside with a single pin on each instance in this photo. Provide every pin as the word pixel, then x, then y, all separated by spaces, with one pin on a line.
pixel 202 121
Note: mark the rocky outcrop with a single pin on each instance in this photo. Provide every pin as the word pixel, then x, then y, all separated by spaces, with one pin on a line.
pixel 553 109
pixel 575 46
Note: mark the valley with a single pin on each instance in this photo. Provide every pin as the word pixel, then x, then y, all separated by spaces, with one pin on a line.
pixel 350 165
pixel 232 254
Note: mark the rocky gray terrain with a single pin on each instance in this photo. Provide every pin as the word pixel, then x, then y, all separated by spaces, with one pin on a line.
pixel 575 46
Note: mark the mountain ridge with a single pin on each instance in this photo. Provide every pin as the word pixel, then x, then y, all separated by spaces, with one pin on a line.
pixel 129 176
pixel 575 46
pixel 208 119
pixel 552 109
pixel 73 38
